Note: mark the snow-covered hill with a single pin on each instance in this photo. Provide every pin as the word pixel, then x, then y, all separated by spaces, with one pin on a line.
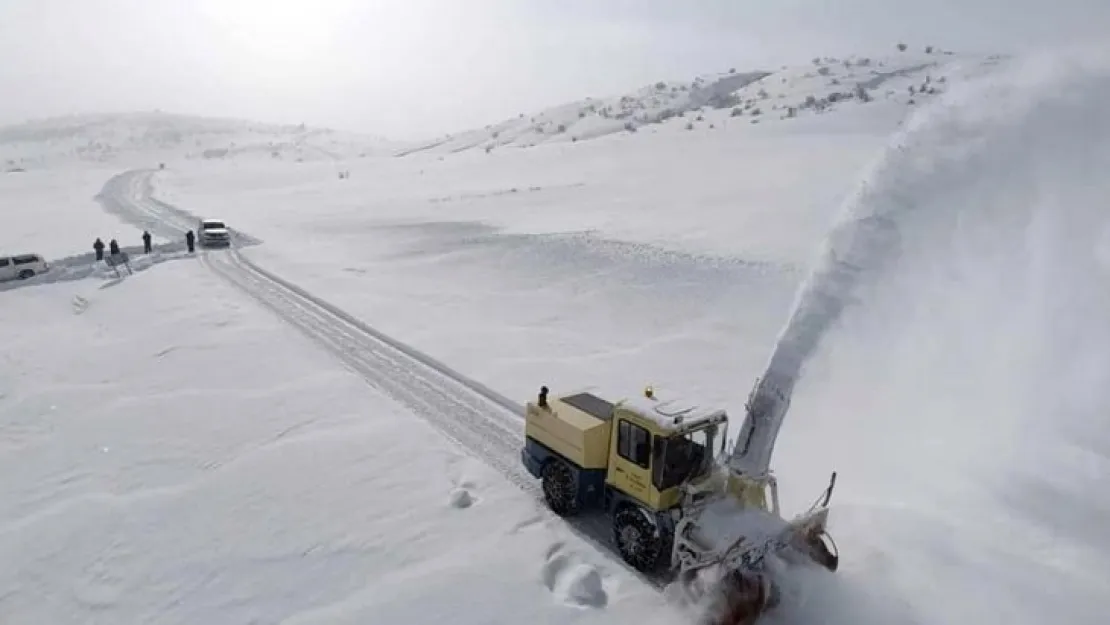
pixel 126 138
pixel 713 101
pixel 727 99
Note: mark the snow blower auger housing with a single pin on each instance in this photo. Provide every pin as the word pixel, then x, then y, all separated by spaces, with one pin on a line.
pixel 657 469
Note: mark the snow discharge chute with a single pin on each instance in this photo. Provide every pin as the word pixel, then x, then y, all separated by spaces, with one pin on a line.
pixel 857 246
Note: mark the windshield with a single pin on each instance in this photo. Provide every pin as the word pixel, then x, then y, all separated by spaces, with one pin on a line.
pixel 213 224
pixel 679 459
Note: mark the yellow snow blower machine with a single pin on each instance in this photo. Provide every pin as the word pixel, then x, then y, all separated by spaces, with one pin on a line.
pixel 680 507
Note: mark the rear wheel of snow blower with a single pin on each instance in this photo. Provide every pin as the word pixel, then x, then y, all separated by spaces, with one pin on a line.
pixel 559 488
pixel 637 539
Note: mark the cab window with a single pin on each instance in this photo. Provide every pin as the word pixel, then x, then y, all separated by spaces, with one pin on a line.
pixel 634 444
pixel 683 458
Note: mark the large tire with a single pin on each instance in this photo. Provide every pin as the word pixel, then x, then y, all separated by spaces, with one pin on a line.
pixel 26 273
pixel 821 553
pixel 560 489
pixel 741 599
pixel 637 540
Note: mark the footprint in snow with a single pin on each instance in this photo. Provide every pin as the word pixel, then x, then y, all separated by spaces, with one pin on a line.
pixel 573 582
pixel 107 284
pixel 462 494
pixel 527 523
pixel 461 498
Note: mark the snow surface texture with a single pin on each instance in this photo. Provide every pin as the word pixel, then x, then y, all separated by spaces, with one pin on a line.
pixel 195 461
pixel 242 473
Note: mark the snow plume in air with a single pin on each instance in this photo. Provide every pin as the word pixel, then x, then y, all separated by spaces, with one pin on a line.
pixel 925 174
pixel 964 394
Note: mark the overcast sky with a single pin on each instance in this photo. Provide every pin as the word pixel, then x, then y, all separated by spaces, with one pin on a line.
pixel 416 68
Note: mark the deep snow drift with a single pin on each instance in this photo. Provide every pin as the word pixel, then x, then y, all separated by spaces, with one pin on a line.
pixel 960 392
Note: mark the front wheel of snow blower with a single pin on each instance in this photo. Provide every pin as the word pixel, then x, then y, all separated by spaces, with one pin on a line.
pixel 742 598
pixel 823 550
pixel 559 488
pixel 637 539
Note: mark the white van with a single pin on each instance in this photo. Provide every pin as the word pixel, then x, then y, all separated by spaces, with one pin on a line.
pixel 22 266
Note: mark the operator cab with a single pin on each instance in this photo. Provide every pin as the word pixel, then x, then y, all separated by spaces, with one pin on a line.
pixel 682 458
pixel 687 439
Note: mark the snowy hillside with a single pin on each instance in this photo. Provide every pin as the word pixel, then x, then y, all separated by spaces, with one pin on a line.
pixel 716 101
pixel 126 138
pixel 726 99
pixel 322 425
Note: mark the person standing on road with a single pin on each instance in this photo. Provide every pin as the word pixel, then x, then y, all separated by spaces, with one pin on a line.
pixel 189 240
pixel 146 242
pixel 98 247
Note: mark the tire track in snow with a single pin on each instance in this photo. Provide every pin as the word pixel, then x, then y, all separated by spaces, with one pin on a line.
pixel 484 423
pixel 452 408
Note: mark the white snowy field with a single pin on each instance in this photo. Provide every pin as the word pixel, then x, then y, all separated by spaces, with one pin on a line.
pixel 962 397
pixel 47 211
pixel 173 453
pixel 683 251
